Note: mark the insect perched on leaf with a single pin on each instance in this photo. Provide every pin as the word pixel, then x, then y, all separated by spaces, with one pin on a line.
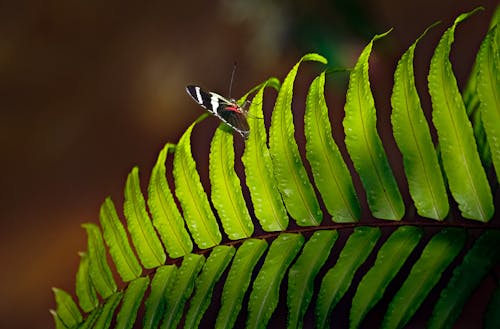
pixel 226 109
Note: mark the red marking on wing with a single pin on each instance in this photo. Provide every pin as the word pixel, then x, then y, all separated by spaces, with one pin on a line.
pixel 234 108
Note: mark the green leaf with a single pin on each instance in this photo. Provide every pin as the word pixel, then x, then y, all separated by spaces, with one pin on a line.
pixel 155 303
pixel 166 216
pixel 91 319
pixel 488 90
pixel 424 275
pixel 303 273
pixel 197 211
pixel 57 321
pixel 227 196
pixel 471 102
pixel 131 301
pixel 67 310
pixel 146 242
pixel 329 170
pixel 338 279
pixel 107 311
pixel 291 176
pixel 259 171
pixel 390 258
pixel 470 94
pixel 364 145
pixel 492 318
pixel 212 270
pixel 414 140
pixel 466 176
pixel 116 239
pixel 237 281
pixel 477 263
pixel 265 290
pixel 85 291
pixel 481 141
pixel 100 273
pixel 181 290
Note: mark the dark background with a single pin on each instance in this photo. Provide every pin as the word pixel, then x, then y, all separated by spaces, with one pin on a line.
pixel 89 89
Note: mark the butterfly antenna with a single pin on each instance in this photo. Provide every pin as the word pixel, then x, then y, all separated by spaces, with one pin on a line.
pixel 231 81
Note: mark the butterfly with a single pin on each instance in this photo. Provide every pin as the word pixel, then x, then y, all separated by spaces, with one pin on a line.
pixel 227 110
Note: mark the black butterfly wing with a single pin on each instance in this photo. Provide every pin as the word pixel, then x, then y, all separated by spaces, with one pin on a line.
pixel 236 120
pixel 201 97
pixel 229 112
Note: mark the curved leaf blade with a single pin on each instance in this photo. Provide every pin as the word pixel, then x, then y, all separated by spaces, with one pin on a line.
pixel 155 303
pixel 116 239
pixel 238 279
pixel 181 290
pixel 259 171
pixel 194 201
pixel 100 273
pixel 166 216
pixel 466 176
pixel 470 94
pixel 91 319
pixel 390 258
pixel 471 102
pixel 146 242
pixel 291 176
pixel 132 299
pixel 477 263
pixel 265 290
pixel 364 145
pixel 338 279
pixel 414 140
pixel 330 172
pixel 214 266
pixel 66 310
pixel 302 274
pixel 488 91
pixel 106 312
pixel 85 291
pixel 57 321
pixel 424 275
pixel 227 196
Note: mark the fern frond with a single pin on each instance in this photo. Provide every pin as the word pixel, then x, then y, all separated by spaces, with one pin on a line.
pixel 244 250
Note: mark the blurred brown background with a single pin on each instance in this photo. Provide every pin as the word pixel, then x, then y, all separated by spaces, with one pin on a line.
pixel 90 88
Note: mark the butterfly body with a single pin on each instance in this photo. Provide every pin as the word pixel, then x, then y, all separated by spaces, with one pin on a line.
pixel 227 110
